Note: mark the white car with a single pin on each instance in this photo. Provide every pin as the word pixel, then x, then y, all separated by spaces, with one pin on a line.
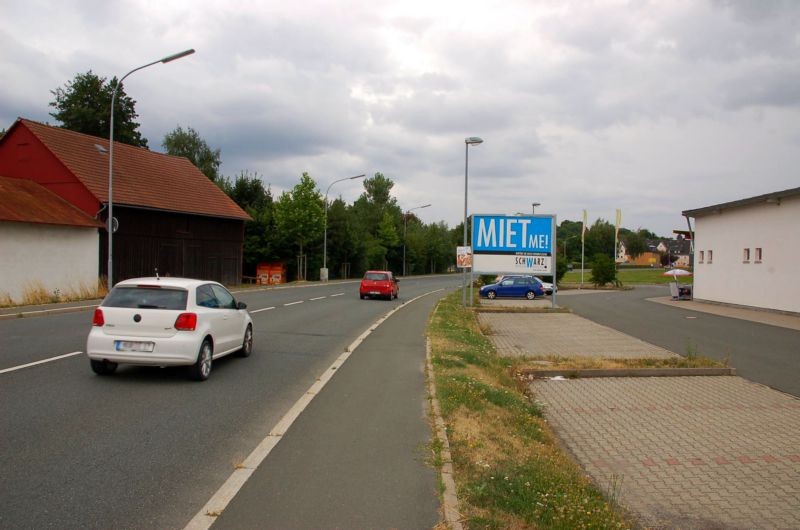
pixel 168 322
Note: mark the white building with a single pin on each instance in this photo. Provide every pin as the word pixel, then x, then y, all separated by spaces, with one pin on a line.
pixel 46 244
pixel 747 252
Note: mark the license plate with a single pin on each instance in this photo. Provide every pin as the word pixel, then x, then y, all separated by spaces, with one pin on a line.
pixel 374 292
pixel 127 345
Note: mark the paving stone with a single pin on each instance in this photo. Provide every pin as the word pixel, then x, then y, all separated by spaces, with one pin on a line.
pixel 692 452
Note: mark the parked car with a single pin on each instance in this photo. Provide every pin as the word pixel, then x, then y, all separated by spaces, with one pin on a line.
pixel 168 322
pixel 379 284
pixel 513 286
pixel 547 286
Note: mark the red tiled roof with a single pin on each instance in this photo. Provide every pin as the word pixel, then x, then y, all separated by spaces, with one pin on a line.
pixel 26 201
pixel 142 178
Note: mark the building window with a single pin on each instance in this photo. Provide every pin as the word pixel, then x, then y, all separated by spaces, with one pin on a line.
pixel 710 256
pixel 758 254
pixel 746 256
pixel 702 256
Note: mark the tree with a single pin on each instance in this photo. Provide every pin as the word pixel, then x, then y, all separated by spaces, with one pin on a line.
pixel 262 241
pixel 299 214
pixel 188 143
pixel 84 104
pixel 635 244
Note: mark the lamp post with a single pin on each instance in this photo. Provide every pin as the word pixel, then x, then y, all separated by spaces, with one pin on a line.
pixel 110 226
pixel 323 273
pixel 405 228
pixel 472 140
pixel 533 207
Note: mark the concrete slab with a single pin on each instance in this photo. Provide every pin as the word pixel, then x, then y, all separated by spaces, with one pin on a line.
pixel 563 335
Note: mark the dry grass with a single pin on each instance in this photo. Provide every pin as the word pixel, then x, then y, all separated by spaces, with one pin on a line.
pixel 34 292
pixel 585 363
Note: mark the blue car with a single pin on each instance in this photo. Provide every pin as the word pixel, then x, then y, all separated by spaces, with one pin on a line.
pixel 514 287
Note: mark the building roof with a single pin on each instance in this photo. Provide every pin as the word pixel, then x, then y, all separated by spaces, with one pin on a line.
pixel 25 201
pixel 142 178
pixel 771 198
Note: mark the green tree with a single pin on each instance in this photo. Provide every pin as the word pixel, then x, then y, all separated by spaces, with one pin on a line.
pixel 603 270
pixel 299 214
pixel 635 244
pixel 83 105
pixel 188 143
pixel 600 239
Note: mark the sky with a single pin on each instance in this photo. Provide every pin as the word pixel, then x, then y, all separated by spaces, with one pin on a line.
pixel 651 107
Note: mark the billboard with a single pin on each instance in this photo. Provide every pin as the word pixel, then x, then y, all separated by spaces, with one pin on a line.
pixel 513 244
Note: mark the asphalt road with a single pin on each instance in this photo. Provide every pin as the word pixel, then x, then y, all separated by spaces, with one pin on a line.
pixel 146 447
pixel 766 354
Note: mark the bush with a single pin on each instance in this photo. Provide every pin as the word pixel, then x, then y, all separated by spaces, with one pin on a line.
pixel 561 268
pixel 486 279
pixel 603 270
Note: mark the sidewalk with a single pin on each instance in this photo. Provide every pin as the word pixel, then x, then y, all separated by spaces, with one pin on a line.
pixel 677 452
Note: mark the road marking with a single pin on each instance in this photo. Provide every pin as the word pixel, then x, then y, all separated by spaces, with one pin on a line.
pixel 51 359
pixel 293 303
pixel 338 294
pixel 225 494
pixel 260 310
pixel 318 298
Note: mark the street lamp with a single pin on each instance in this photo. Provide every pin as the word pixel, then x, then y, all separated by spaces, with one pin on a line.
pixel 405 228
pixel 110 227
pixel 323 273
pixel 534 205
pixel 472 140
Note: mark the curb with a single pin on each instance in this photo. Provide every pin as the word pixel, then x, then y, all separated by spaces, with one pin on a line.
pixel 534 373
pixel 452 516
pixel 522 310
pixel 45 312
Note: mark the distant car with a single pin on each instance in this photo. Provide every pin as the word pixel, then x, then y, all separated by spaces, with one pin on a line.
pixel 513 287
pixel 379 284
pixel 168 322
pixel 547 286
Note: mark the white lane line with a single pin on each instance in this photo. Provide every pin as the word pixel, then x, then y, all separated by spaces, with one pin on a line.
pixel 225 494
pixel 317 298
pixel 293 303
pixel 260 310
pixel 338 294
pixel 51 359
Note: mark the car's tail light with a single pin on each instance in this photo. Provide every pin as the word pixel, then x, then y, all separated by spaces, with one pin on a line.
pixel 98 319
pixel 186 322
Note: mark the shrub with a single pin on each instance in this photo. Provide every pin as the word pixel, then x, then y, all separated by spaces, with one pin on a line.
pixel 603 270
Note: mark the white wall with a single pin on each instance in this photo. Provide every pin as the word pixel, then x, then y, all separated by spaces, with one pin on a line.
pixel 771 284
pixel 57 257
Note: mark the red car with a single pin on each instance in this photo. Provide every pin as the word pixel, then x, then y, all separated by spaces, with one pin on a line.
pixel 379 284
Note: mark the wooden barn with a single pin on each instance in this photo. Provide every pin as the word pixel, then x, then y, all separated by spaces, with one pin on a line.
pixel 170 215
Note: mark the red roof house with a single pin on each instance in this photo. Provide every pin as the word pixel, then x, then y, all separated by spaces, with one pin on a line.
pixel 170 215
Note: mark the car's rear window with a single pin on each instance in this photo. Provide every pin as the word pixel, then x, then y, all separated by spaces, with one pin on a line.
pixel 147 298
pixel 376 276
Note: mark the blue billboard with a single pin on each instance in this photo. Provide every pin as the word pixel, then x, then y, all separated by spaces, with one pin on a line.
pixel 500 234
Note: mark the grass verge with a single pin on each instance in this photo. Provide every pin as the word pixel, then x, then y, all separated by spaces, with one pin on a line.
pixel 509 470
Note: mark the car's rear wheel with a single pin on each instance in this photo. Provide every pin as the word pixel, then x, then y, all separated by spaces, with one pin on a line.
pixel 491 295
pixel 103 367
pixel 361 296
pixel 530 295
pixel 247 343
pixel 201 369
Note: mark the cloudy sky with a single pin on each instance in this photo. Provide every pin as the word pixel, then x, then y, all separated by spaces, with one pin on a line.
pixel 652 107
